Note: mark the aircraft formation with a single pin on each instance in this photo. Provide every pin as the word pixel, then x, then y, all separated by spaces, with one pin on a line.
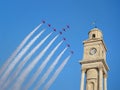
pixel 60 32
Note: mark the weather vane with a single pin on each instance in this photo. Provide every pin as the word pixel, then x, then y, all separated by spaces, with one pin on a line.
pixel 94 24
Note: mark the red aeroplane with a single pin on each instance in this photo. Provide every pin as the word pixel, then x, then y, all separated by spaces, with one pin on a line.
pixel 63 29
pixel 68 26
pixel 72 52
pixel 43 21
pixel 60 33
pixel 49 25
pixel 68 45
pixel 64 39
pixel 54 29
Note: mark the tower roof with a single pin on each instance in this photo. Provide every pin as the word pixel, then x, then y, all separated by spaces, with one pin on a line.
pixel 95 29
pixel 95 33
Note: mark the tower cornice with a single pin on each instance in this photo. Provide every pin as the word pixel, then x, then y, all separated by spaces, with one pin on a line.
pixel 93 61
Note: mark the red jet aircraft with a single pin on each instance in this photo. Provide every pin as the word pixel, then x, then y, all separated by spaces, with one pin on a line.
pixel 68 26
pixel 60 33
pixel 49 25
pixel 54 29
pixel 68 45
pixel 71 52
pixel 43 21
pixel 64 39
pixel 63 29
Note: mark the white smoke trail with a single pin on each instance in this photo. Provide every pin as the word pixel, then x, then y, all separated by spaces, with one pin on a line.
pixel 45 76
pixel 42 66
pixel 22 63
pixel 18 57
pixel 24 74
pixel 17 50
pixel 56 73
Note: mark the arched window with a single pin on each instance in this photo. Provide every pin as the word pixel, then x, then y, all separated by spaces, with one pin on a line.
pixel 93 36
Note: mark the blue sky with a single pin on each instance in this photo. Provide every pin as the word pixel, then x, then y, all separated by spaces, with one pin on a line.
pixel 20 17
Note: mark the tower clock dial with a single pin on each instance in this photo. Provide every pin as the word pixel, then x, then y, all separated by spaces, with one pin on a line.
pixel 93 51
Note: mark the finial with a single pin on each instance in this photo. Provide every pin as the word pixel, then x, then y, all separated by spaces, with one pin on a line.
pixel 94 24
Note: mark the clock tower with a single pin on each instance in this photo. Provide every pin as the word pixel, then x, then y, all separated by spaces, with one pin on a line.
pixel 94 65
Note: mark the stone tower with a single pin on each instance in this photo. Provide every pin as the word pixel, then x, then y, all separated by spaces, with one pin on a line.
pixel 94 65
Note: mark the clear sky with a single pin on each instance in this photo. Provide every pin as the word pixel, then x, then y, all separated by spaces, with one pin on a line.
pixel 19 17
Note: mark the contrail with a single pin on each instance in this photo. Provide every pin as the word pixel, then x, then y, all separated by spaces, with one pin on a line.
pixel 56 73
pixel 45 76
pixel 24 74
pixel 42 66
pixel 17 50
pixel 22 63
pixel 18 57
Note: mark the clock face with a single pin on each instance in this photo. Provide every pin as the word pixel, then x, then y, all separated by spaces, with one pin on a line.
pixel 93 51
